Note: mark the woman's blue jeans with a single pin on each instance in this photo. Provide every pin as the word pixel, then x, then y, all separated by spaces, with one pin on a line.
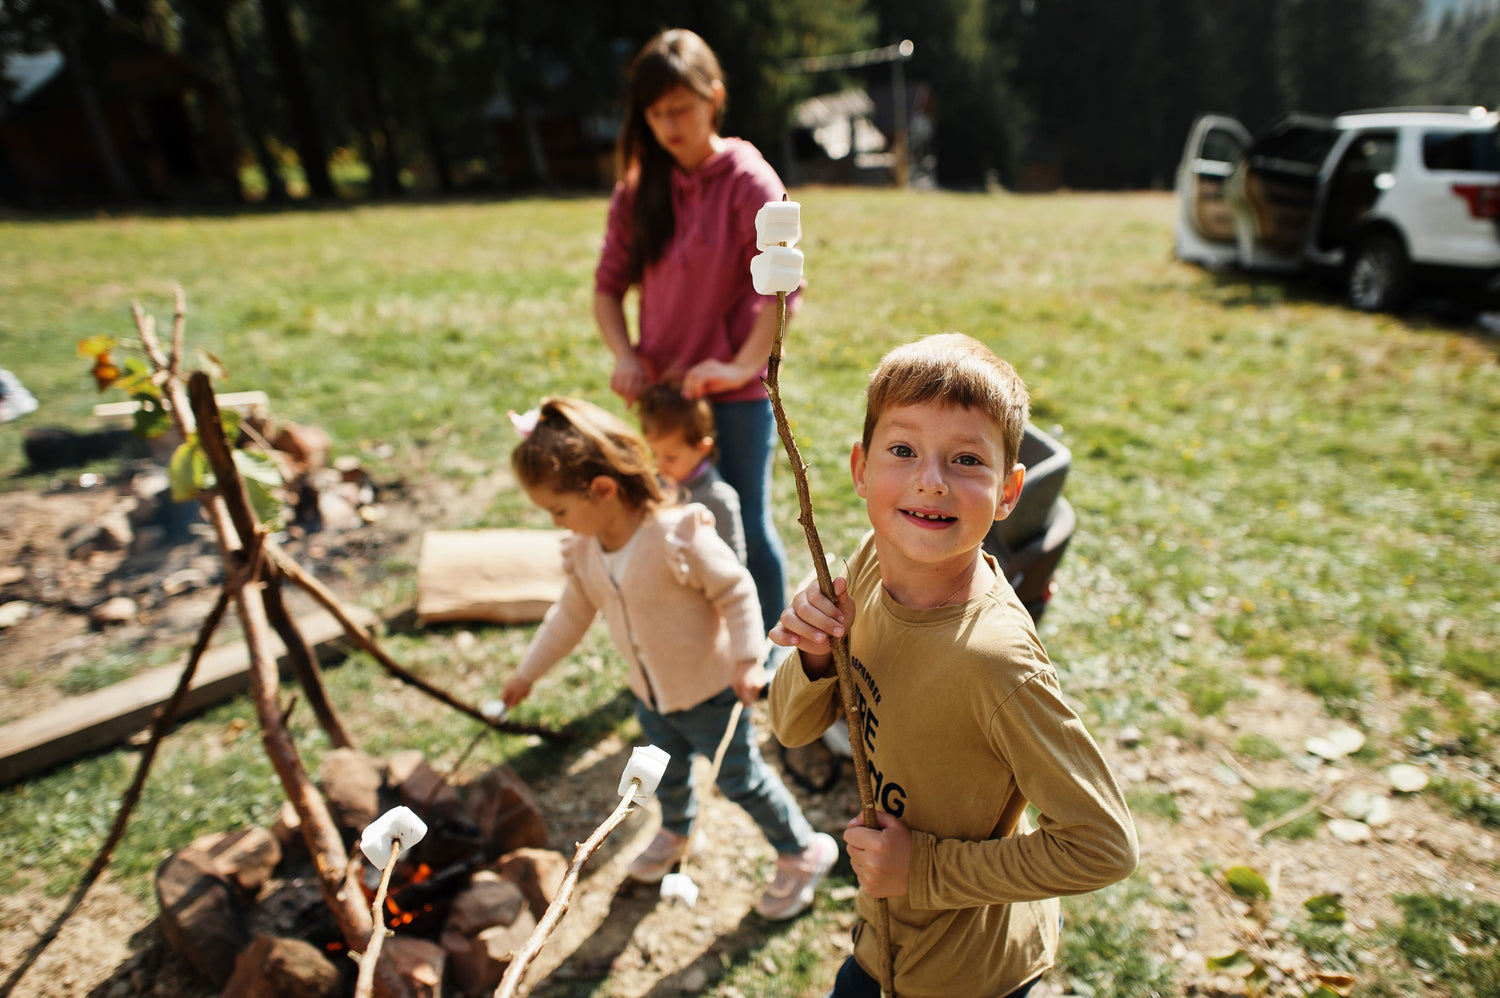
pixel 747 441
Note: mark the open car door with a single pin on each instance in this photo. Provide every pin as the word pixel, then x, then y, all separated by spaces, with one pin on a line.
pixel 1205 224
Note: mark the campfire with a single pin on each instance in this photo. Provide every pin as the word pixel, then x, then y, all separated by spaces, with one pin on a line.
pixel 245 909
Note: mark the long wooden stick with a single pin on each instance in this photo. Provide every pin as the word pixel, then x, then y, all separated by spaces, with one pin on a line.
pixel 840 646
pixel 159 725
pixel 564 897
pixel 362 640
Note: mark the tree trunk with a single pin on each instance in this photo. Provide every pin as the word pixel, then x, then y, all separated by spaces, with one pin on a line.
pixel 311 148
pixel 249 101
pixel 87 95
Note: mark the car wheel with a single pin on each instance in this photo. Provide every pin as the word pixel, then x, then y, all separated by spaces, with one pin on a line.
pixel 1379 274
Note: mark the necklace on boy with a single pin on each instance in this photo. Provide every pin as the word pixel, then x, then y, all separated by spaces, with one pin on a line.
pixel 962 586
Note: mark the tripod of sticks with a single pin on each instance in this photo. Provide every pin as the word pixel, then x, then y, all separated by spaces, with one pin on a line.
pixel 256 571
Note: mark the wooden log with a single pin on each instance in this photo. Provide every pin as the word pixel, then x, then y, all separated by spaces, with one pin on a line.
pixel 505 576
pixel 94 720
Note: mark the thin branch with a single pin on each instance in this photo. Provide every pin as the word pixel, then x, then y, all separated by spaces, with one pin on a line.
pixel 1298 812
pixel 840 646
pixel 159 725
pixel 179 323
pixel 564 897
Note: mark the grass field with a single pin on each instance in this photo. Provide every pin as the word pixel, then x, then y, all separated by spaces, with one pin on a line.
pixel 1267 484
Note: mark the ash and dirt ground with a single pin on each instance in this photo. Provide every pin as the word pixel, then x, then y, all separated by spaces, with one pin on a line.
pixel 111 948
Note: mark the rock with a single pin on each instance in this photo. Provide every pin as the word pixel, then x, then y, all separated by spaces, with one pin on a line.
pixel 1129 736
pixel 246 857
pixel 351 781
pixel 307 446
pixel 537 872
pixel 1357 804
pixel 1336 743
pixel 113 612
pixel 479 954
pixel 420 962
pixel 694 980
pixel 183 580
pixel 420 787
pixel 1406 778
pixel 202 915
pixel 488 900
pixel 1380 813
pixel 1346 830
pixel 286 968
pixel 13 613
pixel 507 815
pixel 287 829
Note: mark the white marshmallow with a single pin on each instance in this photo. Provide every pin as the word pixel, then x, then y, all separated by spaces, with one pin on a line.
pixel 680 886
pixel 778 268
pixel 647 763
pixel 399 824
pixel 778 222
pixel 494 710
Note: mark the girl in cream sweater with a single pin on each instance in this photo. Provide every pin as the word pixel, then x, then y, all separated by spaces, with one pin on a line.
pixel 683 613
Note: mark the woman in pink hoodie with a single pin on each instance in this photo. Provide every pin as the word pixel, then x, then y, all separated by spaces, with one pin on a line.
pixel 682 227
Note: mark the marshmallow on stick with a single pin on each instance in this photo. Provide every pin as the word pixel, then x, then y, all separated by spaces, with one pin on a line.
pixel 399 824
pixel 778 223
pixel 647 764
pixel 777 267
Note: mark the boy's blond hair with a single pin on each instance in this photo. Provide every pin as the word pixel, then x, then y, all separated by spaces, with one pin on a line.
pixel 951 369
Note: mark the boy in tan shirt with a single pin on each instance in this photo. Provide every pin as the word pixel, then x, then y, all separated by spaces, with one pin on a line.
pixel 961 708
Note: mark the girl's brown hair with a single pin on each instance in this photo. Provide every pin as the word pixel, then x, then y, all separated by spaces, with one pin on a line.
pixel 575 442
pixel 674 58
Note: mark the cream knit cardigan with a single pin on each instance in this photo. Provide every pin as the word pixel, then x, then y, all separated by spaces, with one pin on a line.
pixel 684 616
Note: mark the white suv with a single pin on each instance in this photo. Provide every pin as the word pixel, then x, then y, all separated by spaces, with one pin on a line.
pixel 1390 200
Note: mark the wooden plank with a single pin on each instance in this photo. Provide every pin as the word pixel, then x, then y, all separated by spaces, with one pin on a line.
pixel 226 400
pixel 92 721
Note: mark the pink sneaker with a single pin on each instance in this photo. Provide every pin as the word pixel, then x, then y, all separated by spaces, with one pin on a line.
pixel 658 858
pixel 797 878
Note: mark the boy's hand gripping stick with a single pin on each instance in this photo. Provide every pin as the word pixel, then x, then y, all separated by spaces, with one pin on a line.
pixel 780 222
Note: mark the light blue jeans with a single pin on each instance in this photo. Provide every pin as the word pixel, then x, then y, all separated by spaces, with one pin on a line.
pixel 744 776
pixel 747 444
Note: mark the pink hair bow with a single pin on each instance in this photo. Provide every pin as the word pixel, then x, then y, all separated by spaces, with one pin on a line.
pixel 525 422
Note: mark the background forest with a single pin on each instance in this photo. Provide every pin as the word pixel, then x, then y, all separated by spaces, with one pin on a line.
pixel 355 98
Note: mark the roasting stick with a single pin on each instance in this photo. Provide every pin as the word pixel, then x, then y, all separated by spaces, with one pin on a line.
pixel 778 268
pixel 639 781
pixel 381 843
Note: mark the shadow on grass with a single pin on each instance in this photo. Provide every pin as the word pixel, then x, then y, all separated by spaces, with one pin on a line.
pixel 1233 288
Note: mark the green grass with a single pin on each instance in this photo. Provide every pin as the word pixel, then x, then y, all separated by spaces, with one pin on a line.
pixel 1311 490
pixel 1267 804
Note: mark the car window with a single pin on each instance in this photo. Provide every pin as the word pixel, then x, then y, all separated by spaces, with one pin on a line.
pixel 1221 146
pixel 1373 153
pixel 1472 151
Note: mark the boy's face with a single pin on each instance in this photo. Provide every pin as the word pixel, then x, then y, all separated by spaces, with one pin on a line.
pixel 933 484
pixel 676 457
